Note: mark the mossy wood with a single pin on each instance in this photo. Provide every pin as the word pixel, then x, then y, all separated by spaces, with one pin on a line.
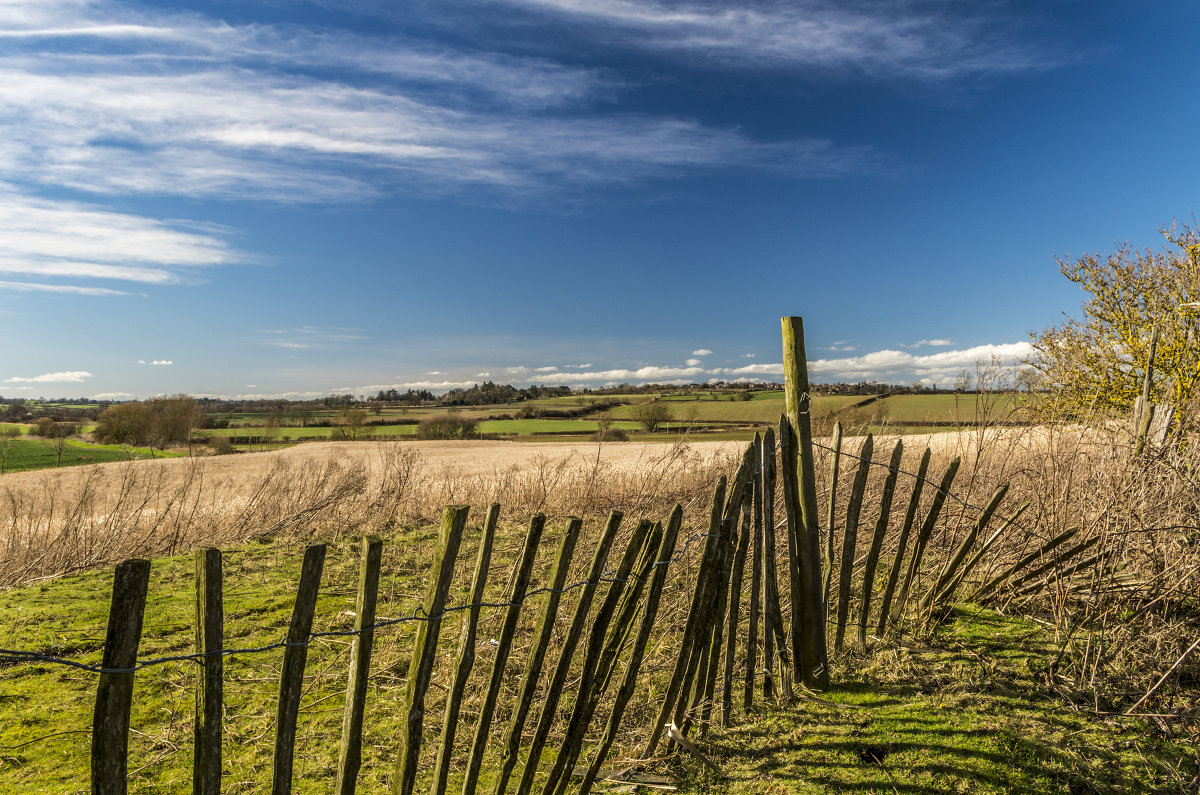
pixel 800 489
pixel 291 677
pixel 881 525
pixel 114 692
pixel 983 550
pixel 775 634
pixel 987 588
pixel 910 514
pixel 666 549
pixel 420 666
pixel 683 661
pixel 210 631
pixel 735 596
pixel 519 584
pixel 566 655
pixel 850 538
pixel 756 555
pixel 537 654
pixel 835 461
pixel 933 596
pixel 922 539
pixel 350 751
pixel 581 715
pixel 465 659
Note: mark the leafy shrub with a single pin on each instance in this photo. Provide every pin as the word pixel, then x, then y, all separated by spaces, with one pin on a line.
pixel 446 426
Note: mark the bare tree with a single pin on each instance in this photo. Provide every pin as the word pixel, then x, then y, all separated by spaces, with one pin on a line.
pixel 652 415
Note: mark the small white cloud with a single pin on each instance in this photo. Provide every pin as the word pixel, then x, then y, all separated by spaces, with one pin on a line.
pixel 435 372
pixel 62 377
pixel 580 366
pixel 701 352
pixel 548 369
pixel 748 355
pixel 693 362
pixel 483 375
pixel 157 362
pixel 927 344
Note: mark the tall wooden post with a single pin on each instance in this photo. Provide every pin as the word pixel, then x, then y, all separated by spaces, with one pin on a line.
pixel 420 666
pixel 812 664
pixel 350 752
pixel 206 758
pixel 114 693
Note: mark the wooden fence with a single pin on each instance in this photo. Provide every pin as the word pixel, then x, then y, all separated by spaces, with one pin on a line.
pixel 600 650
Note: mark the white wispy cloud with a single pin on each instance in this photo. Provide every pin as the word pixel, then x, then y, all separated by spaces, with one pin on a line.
pixel 61 377
pixel 881 365
pixel 183 104
pixel 693 362
pixel 311 337
pixel 547 369
pixel 888 366
pixel 157 362
pixel 78 241
pixel 939 343
pixel 701 352
pixel 915 40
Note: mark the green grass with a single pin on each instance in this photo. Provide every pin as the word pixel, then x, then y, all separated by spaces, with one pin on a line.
pixel 965 711
pixel 968 712
pixel 28 453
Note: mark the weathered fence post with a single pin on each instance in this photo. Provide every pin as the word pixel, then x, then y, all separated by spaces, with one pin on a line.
pixel 591 677
pixel 466 650
pixel 666 548
pixel 881 524
pixel 681 675
pixel 755 580
pixel 210 618
pixel 735 601
pixel 935 509
pixel 850 538
pixel 910 516
pixel 420 667
pixel 931 598
pixel 537 653
pixel 350 752
pixel 516 598
pixel 565 656
pixel 114 693
pixel 831 512
pixel 291 677
pixel 800 487
pixel 774 634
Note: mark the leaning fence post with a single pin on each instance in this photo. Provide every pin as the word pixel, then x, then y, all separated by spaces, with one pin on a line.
pixel 885 510
pixel 831 521
pixel 910 514
pixel 516 598
pixel 850 538
pixel 591 676
pixel 935 509
pixel 114 693
pixel 537 654
pixel 466 650
pixel 677 686
pixel 350 753
pixel 735 603
pixel 291 677
pixel 206 759
pixel 755 581
pixel 776 637
pixel 420 666
pixel 665 550
pixel 566 654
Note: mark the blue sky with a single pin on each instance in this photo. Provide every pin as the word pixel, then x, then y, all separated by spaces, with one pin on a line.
pixel 262 198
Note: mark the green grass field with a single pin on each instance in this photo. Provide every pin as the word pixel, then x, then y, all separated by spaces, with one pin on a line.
pixel 966 710
pixel 31 453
